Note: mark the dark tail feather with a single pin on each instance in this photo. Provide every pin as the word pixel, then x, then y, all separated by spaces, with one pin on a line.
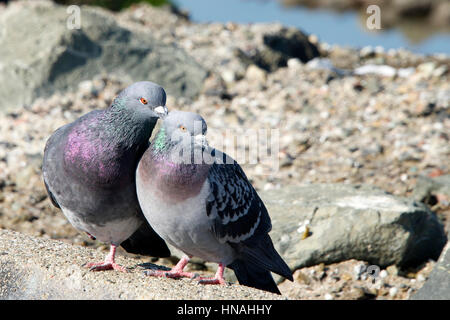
pixel 249 274
pixel 145 241
pixel 264 255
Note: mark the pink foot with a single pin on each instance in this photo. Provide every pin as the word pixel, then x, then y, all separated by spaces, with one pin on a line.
pixel 218 278
pixel 109 263
pixel 176 272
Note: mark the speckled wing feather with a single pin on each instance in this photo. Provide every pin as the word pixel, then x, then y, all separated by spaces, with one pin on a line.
pixel 239 214
pixel 240 217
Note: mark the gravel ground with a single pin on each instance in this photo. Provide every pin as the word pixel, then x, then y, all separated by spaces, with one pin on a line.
pixel 355 280
pixel 333 127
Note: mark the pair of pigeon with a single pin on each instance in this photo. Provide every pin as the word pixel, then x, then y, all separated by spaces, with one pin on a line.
pixel 111 183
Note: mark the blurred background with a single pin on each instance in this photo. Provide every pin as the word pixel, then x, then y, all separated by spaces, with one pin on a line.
pixel 420 26
pixel 363 118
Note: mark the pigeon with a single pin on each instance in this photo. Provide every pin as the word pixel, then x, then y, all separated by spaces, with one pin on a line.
pixel 200 201
pixel 89 170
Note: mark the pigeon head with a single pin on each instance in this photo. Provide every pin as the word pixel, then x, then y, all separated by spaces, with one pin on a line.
pixel 145 98
pixel 181 123
pixel 181 133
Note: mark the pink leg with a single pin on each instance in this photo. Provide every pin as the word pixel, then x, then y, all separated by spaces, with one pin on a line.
pixel 176 272
pixel 218 278
pixel 109 263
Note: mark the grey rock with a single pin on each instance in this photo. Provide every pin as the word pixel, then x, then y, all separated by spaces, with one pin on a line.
pixel 351 222
pixel 426 69
pixel 36 268
pixel 215 86
pixel 426 188
pixel 39 54
pixel 279 47
pixel 437 286
pixel 255 74
pixel 433 191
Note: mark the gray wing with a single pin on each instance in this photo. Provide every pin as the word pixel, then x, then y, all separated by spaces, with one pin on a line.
pixel 64 189
pixel 144 241
pixel 238 213
pixel 241 219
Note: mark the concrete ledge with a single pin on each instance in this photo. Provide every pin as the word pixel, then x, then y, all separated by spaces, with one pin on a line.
pixel 37 268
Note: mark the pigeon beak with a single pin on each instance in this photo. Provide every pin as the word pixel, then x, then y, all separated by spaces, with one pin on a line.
pixel 161 111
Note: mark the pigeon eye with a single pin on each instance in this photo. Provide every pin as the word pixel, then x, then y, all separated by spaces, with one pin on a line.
pixel 183 128
pixel 143 100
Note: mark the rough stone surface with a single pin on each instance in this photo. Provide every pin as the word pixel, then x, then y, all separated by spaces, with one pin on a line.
pixel 36 268
pixel 50 56
pixel 438 285
pixel 351 222
pixel 427 187
pixel 281 46
pixel 434 190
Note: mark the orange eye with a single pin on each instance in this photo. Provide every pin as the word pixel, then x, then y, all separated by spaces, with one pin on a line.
pixel 183 128
pixel 143 100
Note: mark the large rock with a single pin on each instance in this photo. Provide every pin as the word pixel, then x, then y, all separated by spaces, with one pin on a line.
pixel 35 268
pixel 39 54
pixel 280 46
pixel 437 286
pixel 352 222
pixel 428 189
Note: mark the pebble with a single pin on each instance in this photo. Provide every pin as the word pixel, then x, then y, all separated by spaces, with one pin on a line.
pixel 382 70
pixel 420 277
pixel 86 88
pixel 294 63
pixel 440 71
pixel 256 74
pixel 302 277
pixel 426 69
pixel 228 76
pixel 392 270
pixel 406 72
pixel 367 51
pixel 393 292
